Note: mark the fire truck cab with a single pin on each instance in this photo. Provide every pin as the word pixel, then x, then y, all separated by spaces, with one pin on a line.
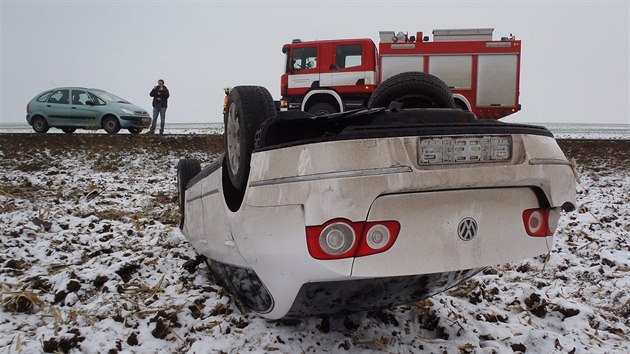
pixel 329 76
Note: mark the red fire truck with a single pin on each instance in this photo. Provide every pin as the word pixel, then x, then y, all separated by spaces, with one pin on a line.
pixel 330 76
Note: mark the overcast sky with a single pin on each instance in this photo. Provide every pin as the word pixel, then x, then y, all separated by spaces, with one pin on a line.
pixel 574 57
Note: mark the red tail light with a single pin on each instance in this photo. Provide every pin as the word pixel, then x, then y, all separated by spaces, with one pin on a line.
pixel 540 222
pixel 341 238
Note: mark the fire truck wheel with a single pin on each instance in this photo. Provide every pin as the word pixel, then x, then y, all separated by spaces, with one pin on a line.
pixel 186 170
pixel 322 109
pixel 247 108
pixel 412 90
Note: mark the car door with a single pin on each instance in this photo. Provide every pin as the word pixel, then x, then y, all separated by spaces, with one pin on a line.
pixel 58 109
pixel 83 110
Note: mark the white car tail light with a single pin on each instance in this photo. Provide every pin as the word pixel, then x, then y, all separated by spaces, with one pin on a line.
pixel 541 222
pixel 342 238
pixel 377 237
pixel 460 149
pixel 337 238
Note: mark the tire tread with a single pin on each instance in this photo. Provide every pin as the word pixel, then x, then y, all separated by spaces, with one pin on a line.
pixel 412 82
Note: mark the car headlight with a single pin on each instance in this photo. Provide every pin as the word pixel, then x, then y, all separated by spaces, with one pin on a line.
pixel 128 111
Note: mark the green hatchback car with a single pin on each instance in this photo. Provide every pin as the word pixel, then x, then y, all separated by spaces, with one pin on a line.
pixel 72 108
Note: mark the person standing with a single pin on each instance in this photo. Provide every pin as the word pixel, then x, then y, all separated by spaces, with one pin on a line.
pixel 225 100
pixel 160 96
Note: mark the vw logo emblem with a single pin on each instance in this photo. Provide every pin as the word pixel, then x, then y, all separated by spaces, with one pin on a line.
pixel 467 229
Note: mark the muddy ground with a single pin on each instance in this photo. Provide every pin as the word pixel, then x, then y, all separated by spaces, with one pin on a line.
pixel 588 153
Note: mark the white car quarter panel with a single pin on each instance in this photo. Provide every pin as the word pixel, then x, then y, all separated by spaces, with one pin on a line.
pixel 429 242
pixel 542 147
pixel 546 157
pixel 273 242
pixel 219 243
pixel 206 224
pixel 193 217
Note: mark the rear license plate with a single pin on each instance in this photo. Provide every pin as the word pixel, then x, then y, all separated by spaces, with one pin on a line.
pixel 464 149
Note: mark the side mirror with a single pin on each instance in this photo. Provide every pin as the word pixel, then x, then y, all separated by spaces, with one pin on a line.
pixel 89 103
pixel 334 67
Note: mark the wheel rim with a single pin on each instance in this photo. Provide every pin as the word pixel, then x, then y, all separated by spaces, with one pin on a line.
pixel 39 124
pixel 233 131
pixel 321 112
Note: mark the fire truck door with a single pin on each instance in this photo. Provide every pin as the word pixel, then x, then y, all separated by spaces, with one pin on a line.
pixel 304 68
pixel 347 67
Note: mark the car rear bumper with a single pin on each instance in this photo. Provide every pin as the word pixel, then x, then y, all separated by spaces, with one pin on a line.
pixel 346 176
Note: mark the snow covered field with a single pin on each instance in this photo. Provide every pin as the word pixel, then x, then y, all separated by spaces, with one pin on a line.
pixel 91 256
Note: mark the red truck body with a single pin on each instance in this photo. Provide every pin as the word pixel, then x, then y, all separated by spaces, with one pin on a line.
pixel 330 76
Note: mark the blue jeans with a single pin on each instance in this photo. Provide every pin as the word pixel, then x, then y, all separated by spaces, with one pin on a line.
pixel 162 112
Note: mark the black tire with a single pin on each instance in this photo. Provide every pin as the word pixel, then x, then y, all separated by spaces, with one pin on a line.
pixel 135 130
pixel 412 90
pixel 322 109
pixel 40 125
pixel 186 170
pixel 247 108
pixel 111 125
pixel 68 130
pixel 461 105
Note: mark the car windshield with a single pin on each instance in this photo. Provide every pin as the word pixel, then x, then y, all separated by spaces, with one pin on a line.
pixel 108 97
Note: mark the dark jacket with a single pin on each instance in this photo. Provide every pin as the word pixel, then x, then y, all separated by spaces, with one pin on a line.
pixel 160 98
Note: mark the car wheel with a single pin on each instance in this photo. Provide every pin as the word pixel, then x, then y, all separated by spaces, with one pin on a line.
pixel 40 125
pixel 412 90
pixel 322 109
pixel 111 125
pixel 186 170
pixel 68 130
pixel 135 130
pixel 247 108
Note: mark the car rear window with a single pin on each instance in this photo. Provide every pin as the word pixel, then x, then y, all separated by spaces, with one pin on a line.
pixel 97 100
pixel 43 97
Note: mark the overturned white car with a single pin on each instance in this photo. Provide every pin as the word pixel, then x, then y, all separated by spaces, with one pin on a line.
pixel 311 214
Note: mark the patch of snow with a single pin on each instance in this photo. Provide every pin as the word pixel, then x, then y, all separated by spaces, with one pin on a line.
pixel 91 262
